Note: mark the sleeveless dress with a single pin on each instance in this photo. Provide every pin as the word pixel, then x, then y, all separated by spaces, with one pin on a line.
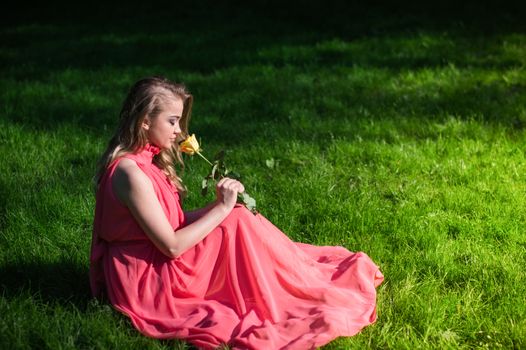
pixel 246 284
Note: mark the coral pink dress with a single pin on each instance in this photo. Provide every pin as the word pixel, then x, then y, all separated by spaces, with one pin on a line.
pixel 246 284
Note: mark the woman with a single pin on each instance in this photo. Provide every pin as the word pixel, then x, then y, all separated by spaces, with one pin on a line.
pixel 219 275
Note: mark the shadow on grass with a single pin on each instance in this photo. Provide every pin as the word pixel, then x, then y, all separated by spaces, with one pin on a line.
pixel 63 282
pixel 207 38
pixel 261 63
pixel 66 284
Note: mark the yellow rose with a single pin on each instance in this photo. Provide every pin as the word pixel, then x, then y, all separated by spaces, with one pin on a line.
pixel 190 145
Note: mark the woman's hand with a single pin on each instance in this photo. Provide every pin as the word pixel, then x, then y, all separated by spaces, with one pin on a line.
pixel 227 190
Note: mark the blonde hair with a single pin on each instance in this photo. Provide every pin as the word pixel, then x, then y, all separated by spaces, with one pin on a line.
pixel 146 98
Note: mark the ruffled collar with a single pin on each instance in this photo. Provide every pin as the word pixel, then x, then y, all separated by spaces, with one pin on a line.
pixel 146 153
pixel 154 150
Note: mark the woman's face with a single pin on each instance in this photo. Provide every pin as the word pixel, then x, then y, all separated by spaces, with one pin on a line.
pixel 162 130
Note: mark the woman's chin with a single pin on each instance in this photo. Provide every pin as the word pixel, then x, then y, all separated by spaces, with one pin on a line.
pixel 168 145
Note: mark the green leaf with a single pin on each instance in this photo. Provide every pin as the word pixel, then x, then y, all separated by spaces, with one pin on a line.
pixel 249 202
pixel 234 175
pixel 204 187
pixel 214 170
pixel 271 163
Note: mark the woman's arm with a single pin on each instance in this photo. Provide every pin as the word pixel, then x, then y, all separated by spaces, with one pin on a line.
pixel 193 215
pixel 135 190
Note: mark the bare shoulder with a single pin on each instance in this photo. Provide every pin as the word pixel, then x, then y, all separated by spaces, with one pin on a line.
pixel 128 179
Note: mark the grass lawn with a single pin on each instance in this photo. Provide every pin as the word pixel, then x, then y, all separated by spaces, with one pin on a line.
pixel 397 132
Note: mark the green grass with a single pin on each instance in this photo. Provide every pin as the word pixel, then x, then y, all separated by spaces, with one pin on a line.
pixel 401 136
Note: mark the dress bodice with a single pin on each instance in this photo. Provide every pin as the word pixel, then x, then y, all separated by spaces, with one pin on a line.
pixel 114 221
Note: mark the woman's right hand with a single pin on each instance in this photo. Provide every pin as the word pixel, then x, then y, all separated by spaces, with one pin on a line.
pixel 227 190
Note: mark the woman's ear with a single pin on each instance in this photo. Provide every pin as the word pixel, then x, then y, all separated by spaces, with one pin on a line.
pixel 146 123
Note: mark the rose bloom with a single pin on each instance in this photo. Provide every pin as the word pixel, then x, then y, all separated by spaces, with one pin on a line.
pixel 190 145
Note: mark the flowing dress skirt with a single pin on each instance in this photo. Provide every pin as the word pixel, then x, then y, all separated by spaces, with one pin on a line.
pixel 246 285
